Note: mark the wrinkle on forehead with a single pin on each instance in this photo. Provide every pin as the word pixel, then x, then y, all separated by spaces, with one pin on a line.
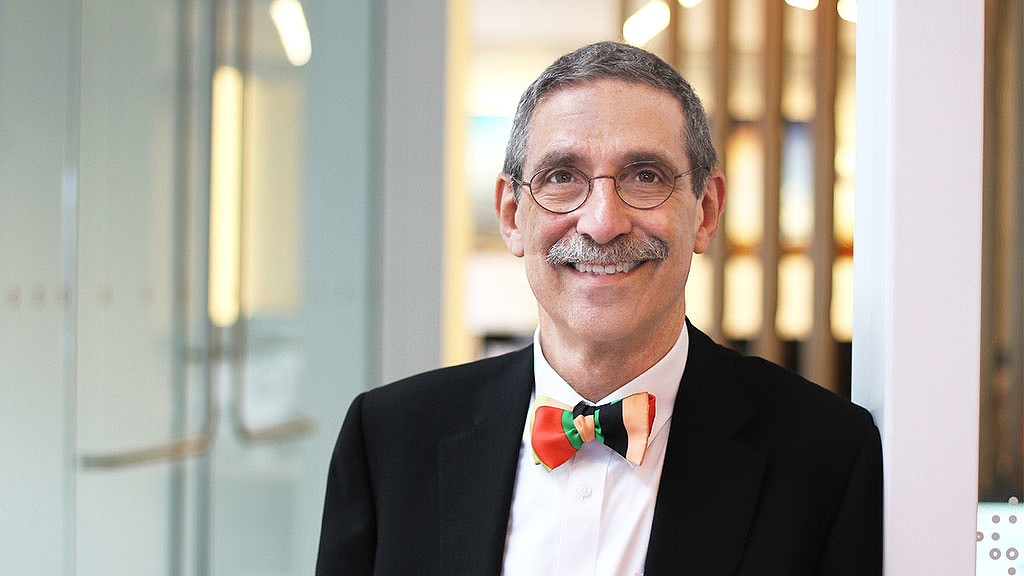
pixel 582 126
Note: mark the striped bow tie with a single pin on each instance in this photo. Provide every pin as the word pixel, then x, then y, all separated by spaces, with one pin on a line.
pixel 557 431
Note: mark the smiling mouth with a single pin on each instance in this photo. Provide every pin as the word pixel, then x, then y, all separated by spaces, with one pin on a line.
pixel 605 269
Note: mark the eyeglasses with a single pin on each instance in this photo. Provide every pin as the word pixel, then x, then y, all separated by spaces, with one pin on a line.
pixel 642 185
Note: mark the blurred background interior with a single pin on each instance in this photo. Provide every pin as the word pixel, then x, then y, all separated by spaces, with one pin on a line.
pixel 219 221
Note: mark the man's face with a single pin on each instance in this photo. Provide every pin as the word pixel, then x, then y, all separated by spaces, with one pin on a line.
pixel 599 127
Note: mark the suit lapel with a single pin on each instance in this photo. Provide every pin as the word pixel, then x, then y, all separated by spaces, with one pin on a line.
pixel 477 467
pixel 710 482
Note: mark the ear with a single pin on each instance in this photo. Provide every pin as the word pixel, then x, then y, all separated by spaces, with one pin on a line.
pixel 709 210
pixel 505 206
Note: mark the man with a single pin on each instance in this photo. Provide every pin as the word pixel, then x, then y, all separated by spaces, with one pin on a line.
pixel 695 460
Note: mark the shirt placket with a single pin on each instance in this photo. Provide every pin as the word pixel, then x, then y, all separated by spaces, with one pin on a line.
pixel 581 512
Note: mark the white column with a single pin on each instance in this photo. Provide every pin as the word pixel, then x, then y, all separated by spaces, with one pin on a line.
pixel 918 270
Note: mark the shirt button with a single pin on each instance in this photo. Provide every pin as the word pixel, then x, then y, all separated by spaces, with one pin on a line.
pixel 584 491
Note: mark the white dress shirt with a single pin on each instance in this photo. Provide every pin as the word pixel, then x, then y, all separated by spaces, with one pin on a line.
pixel 592 515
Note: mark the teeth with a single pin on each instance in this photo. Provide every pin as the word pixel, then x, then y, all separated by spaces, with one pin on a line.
pixel 604 269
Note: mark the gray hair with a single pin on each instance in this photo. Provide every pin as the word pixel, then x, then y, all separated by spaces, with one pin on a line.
pixel 613 60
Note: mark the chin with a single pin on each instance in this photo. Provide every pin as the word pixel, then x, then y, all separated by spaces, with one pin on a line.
pixel 604 325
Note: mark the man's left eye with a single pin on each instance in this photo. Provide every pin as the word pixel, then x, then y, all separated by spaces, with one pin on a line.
pixel 647 176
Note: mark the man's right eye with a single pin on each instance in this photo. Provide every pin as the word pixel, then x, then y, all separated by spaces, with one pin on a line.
pixel 560 176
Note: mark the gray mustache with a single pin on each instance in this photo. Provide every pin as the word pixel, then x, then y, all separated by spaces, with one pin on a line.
pixel 632 248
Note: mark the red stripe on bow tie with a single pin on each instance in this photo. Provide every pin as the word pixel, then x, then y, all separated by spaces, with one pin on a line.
pixel 549 433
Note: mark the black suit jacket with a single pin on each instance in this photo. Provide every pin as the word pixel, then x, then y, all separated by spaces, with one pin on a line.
pixel 765 474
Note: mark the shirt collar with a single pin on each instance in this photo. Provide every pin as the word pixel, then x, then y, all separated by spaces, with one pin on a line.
pixel 661 380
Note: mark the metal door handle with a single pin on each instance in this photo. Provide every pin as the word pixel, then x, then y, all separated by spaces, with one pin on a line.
pixel 293 429
pixel 173 450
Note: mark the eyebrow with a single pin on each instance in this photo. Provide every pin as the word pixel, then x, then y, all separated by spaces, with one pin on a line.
pixel 568 158
pixel 558 158
pixel 648 156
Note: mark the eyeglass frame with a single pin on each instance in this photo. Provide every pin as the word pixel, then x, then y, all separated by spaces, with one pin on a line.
pixel 590 185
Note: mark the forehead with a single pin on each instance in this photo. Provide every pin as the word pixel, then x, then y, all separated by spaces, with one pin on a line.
pixel 606 122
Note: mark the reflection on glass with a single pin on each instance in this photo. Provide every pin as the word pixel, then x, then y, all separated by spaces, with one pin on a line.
pixel 794 315
pixel 743 297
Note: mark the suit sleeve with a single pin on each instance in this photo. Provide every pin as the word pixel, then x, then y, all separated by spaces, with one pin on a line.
pixel 348 534
pixel 854 545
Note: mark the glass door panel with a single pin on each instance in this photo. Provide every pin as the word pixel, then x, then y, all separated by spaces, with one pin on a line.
pixel 299 346
pixel 257 461
pixel 142 397
pixel 219 337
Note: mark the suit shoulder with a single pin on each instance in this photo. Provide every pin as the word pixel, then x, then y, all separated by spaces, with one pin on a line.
pixel 786 404
pixel 800 401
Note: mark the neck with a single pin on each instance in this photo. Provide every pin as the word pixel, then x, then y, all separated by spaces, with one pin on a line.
pixel 596 369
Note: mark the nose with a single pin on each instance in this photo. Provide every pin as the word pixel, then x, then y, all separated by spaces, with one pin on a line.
pixel 604 215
